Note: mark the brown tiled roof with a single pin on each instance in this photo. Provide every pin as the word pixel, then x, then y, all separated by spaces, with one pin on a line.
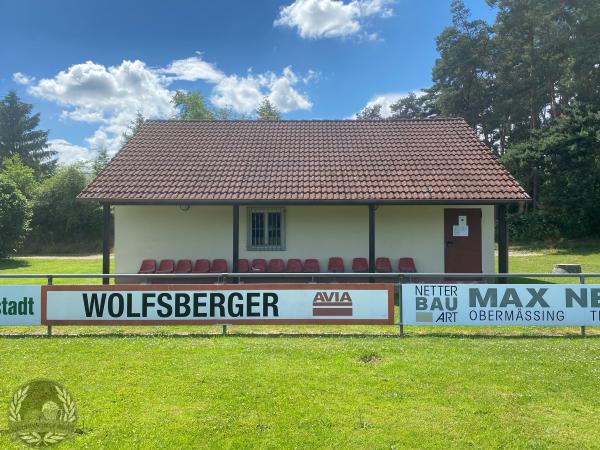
pixel 317 160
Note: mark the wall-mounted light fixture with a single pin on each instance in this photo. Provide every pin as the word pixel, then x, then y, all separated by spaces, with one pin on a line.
pixel 184 207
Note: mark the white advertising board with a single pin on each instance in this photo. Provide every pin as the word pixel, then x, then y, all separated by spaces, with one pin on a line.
pixel 501 304
pixel 206 304
pixel 20 305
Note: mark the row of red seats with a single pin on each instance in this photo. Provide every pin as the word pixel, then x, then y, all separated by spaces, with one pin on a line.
pixel 259 265
pixel 183 266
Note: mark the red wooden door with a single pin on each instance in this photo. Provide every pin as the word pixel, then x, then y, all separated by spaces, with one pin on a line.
pixel 462 240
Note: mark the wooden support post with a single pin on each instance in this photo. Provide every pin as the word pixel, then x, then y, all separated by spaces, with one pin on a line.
pixel 236 238
pixel 502 241
pixel 371 240
pixel 105 241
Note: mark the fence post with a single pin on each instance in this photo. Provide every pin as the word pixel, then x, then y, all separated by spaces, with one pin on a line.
pixel 582 281
pixel 49 330
pixel 400 306
pixel 224 330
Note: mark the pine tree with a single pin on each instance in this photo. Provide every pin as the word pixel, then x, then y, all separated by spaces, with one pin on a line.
pixel 19 135
pixel 372 112
pixel 101 161
pixel 462 75
pixel 413 106
pixel 133 127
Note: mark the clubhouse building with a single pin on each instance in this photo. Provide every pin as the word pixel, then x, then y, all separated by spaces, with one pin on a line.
pixel 318 195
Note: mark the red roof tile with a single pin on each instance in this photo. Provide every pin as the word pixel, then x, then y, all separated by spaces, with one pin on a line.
pixel 320 160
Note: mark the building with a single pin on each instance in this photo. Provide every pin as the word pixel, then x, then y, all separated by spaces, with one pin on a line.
pixel 427 189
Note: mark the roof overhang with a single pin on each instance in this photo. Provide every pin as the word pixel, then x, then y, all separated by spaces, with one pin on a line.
pixel 311 202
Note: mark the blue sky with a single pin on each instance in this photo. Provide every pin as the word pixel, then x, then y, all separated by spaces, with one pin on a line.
pixel 89 66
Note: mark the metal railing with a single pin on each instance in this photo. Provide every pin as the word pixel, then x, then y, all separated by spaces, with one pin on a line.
pixel 225 275
pixel 398 278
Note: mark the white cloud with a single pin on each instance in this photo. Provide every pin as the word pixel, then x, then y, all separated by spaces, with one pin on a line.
pixel 192 69
pixel 310 76
pixel 284 96
pixel 385 100
pixel 68 153
pixel 21 78
pixel 112 96
pixel 244 94
pixel 332 18
pixel 82 115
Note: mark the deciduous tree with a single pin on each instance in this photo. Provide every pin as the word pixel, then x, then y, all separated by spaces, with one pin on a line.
pixel 267 111
pixel 192 106
pixel 15 214
pixel 23 176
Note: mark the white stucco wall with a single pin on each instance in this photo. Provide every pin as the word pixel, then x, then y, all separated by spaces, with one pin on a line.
pixel 311 232
pixel 418 232
pixel 159 232
pixel 317 232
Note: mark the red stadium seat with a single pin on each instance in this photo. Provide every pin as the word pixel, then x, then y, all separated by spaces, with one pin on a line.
pixel 311 265
pixel 336 264
pixel 383 265
pixel 259 265
pixel 243 266
pixel 201 266
pixel 360 265
pixel 218 266
pixel 148 266
pixel 294 265
pixel 166 266
pixel 406 265
pixel 276 266
pixel 183 266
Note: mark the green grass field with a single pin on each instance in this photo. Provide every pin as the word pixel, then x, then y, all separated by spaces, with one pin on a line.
pixel 317 386
pixel 319 392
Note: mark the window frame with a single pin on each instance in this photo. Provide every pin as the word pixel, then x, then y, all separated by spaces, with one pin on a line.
pixel 266 228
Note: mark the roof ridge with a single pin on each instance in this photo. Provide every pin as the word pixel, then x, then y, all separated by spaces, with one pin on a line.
pixel 429 119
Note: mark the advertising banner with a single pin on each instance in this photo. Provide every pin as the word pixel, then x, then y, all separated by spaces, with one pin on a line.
pixel 218 304
pixel 501 304
pixel 20 305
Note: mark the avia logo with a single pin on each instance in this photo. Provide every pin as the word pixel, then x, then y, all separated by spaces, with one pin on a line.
pixel 332 303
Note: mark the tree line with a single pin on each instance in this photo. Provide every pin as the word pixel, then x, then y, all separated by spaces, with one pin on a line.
pixel 39 210
pixel 529 84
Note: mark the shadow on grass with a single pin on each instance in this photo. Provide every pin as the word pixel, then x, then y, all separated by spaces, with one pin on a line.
pixel 567 247
pixel 6 264
pixel 524 280
pixel 278 335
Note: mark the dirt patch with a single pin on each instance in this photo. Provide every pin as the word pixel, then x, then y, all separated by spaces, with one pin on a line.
pixel 369 358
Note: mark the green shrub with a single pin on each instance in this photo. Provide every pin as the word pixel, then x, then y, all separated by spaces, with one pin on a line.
pixel 15 214
pixel 59 217
pixel 534 227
